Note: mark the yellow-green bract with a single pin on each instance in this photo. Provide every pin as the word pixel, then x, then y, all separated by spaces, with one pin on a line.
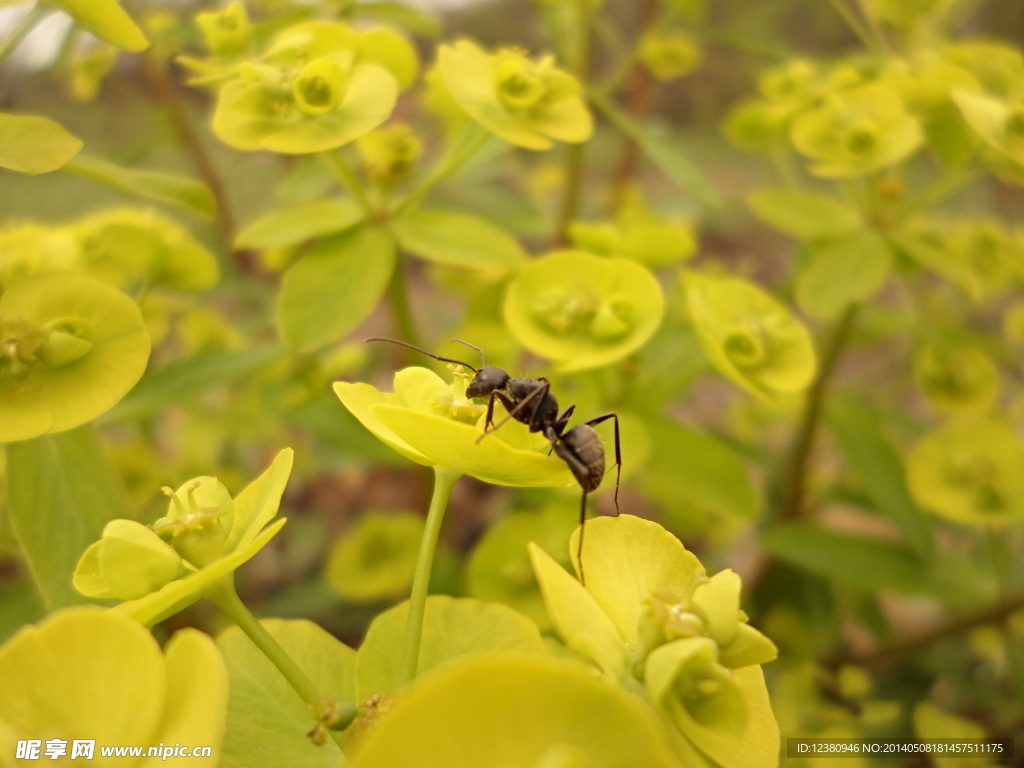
pixel 108 21
pixel 72 347
pixel 434 424
pixel 525 102
pixel 857 132
pixel 319 85
pixel 654 623
pixel 959 382
pixel 89 674
pixel 210 535
pixel 583 311
pixel 750 337
pixel 668 55
pixel 516 711
pixel 970 472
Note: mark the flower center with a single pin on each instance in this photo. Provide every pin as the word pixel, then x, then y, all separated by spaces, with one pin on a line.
pixel 518 86
pixel 744 346
pixel 320 87
pixel 862 139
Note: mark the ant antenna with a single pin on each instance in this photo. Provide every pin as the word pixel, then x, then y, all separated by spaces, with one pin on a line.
pixel 483 360
pixel 424 352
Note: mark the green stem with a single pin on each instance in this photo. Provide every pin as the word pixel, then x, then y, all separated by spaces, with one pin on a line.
pixel 571 192
pixel 343 173
pixel 21 31
pixel 444 481
pixel 464 147
pixel 223 595
pixel 796 471
pixel 400 305
pixel 854 23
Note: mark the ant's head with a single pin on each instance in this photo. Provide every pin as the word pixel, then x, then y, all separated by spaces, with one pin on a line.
pixel 487 380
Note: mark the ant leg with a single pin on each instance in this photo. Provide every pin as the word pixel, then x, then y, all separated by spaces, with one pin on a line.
pixel 544 387
pixel 579 546
pixel 562 422
pixel 489 421
pixel 618 451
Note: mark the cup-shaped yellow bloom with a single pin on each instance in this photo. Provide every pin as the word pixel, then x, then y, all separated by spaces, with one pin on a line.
pixel 857 132
pixel 750 337
pixel 959 382
pixel 89 674
pixel 327 102
pixel 668 55
pixel 127 247
pixel 525 102
pixel 208 535
pixel 653 621
pixel 434 424
pixel 583 311
pixel 970 472
pixel 228 32
pixel 70 348
pixel 516 711
pixel 979 256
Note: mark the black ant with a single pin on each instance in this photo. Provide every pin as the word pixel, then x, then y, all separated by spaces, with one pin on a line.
pixel 530 402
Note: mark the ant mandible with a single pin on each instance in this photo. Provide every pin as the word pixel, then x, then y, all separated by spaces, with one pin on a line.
pixel 530 402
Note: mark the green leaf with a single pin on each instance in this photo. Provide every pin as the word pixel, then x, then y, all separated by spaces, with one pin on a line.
pixel 62 490
pixel 803 215
pixel 880 470
pixel 108 21
pixel 295 225
pixel 185 193
pixel 267 722
pixel 664 152
pixel 699 468
pixel 843 271
pixel 334 287
pixel 874 564
pixel 457 239
pixel 451 628
pixel 34 145
pixel 183 379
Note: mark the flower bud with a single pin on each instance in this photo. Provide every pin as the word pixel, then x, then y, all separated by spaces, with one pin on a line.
pixel 719 601
pixel 227 32
pixel 320 87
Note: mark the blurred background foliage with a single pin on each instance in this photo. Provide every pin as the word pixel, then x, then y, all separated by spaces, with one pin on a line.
pixel 876 605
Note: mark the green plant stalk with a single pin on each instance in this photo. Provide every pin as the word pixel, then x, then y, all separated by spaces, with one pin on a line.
pixel 400 306
pixel 795 474
pixel 223 595
pixel 444 480
pixel 854 23
pixel 13 40
pixel 344 174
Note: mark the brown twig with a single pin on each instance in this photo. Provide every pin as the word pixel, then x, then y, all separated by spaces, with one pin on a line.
pixel 641 89
pixel 167 93
pixel 795 476
pixel 887 655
